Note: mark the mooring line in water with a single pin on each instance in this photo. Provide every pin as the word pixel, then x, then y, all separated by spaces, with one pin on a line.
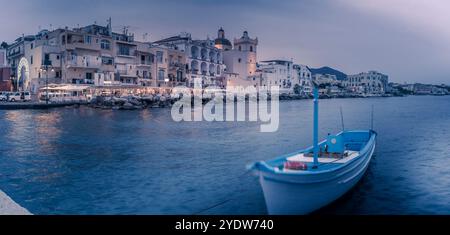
pixel 226 200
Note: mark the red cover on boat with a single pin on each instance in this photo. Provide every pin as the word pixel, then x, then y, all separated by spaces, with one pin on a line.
pixel 299 166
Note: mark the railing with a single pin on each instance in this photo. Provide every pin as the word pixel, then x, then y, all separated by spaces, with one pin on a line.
pixel 176 64
pixel 85 62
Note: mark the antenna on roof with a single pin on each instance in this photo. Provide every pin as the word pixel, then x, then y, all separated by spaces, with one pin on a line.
pixel 371 119
pixel 109 26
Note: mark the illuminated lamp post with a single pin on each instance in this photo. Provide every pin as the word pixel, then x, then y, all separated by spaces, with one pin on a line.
pixel 45 67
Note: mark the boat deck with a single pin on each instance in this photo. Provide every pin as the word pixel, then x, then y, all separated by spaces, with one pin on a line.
pixel 325 163
pixel 307 158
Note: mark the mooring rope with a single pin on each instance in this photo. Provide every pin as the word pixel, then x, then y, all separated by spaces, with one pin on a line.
pixel 226 200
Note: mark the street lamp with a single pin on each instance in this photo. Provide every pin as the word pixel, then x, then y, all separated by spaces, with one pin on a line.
pixel 44 68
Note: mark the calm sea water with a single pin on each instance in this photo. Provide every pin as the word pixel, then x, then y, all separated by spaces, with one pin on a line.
pixel 87 161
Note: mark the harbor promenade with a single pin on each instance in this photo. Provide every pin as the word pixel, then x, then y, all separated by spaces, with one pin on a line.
pixel 37 105
pixel 9 207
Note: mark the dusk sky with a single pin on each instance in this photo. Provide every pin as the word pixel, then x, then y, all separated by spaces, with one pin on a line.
pixel 408 40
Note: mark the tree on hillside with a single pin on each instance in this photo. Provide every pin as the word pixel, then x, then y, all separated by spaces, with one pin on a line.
pixel 297 89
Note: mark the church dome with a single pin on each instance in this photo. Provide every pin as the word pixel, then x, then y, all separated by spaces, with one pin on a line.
pixel 221 41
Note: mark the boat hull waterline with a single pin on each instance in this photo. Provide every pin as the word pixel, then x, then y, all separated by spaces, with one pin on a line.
pixel 302 192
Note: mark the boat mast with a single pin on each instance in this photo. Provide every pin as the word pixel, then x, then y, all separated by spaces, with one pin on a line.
pixel 316 126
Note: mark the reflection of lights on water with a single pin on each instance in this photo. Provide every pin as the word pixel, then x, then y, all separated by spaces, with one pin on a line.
pixel 38 127
pixel 47 129
pixel 146 114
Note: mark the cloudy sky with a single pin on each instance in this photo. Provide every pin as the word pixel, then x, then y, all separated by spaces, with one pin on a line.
pixel 407 39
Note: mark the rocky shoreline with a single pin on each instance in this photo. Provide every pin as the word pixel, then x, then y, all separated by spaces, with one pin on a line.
pixel 165 100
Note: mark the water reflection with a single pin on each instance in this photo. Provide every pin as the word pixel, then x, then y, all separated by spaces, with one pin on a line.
pixel 91 161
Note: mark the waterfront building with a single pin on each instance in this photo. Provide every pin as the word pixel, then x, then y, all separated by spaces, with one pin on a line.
pixel 304 77
pixel 15 52
pixel 278 73
pixel 427 89
pixel 371 82
pixel 203 59
pixel 93 55
pixel 169 66
pixel 326 79
pixel 5 76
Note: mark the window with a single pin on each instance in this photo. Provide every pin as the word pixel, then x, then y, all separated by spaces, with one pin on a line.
pixel 251 48
pixel 87 39
pixel 47 59
pixel 57 57
pixel 57 74
pixel 124 50
pixel 145 74
pixel 240 48
pixel 89 76
pixel 31 46
pixel 159 56
pixel 239 60
pixel 31 60
pixel 161 74
pixel 107 60
pixel 105 45
pixel 152 58
pixel 179 76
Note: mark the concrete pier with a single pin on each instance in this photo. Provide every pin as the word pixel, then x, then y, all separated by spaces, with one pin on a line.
pixel 9 207
pixel 36 105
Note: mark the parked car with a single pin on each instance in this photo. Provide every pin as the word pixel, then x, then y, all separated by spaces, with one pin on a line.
pixel 23 96
pixel 3 96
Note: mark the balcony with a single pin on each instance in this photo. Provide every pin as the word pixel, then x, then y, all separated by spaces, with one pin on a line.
pixel 81 45
pixel 84 62
pixel 176 65
pixel 127 71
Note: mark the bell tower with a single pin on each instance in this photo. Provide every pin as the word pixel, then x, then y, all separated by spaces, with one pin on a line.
pixel 246 49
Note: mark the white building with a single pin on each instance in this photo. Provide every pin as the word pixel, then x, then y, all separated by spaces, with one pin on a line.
pixel 304 77
pixel 327 79
pixel 203 59
pixel 278 73
pixel 240 59
pixel 371 82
